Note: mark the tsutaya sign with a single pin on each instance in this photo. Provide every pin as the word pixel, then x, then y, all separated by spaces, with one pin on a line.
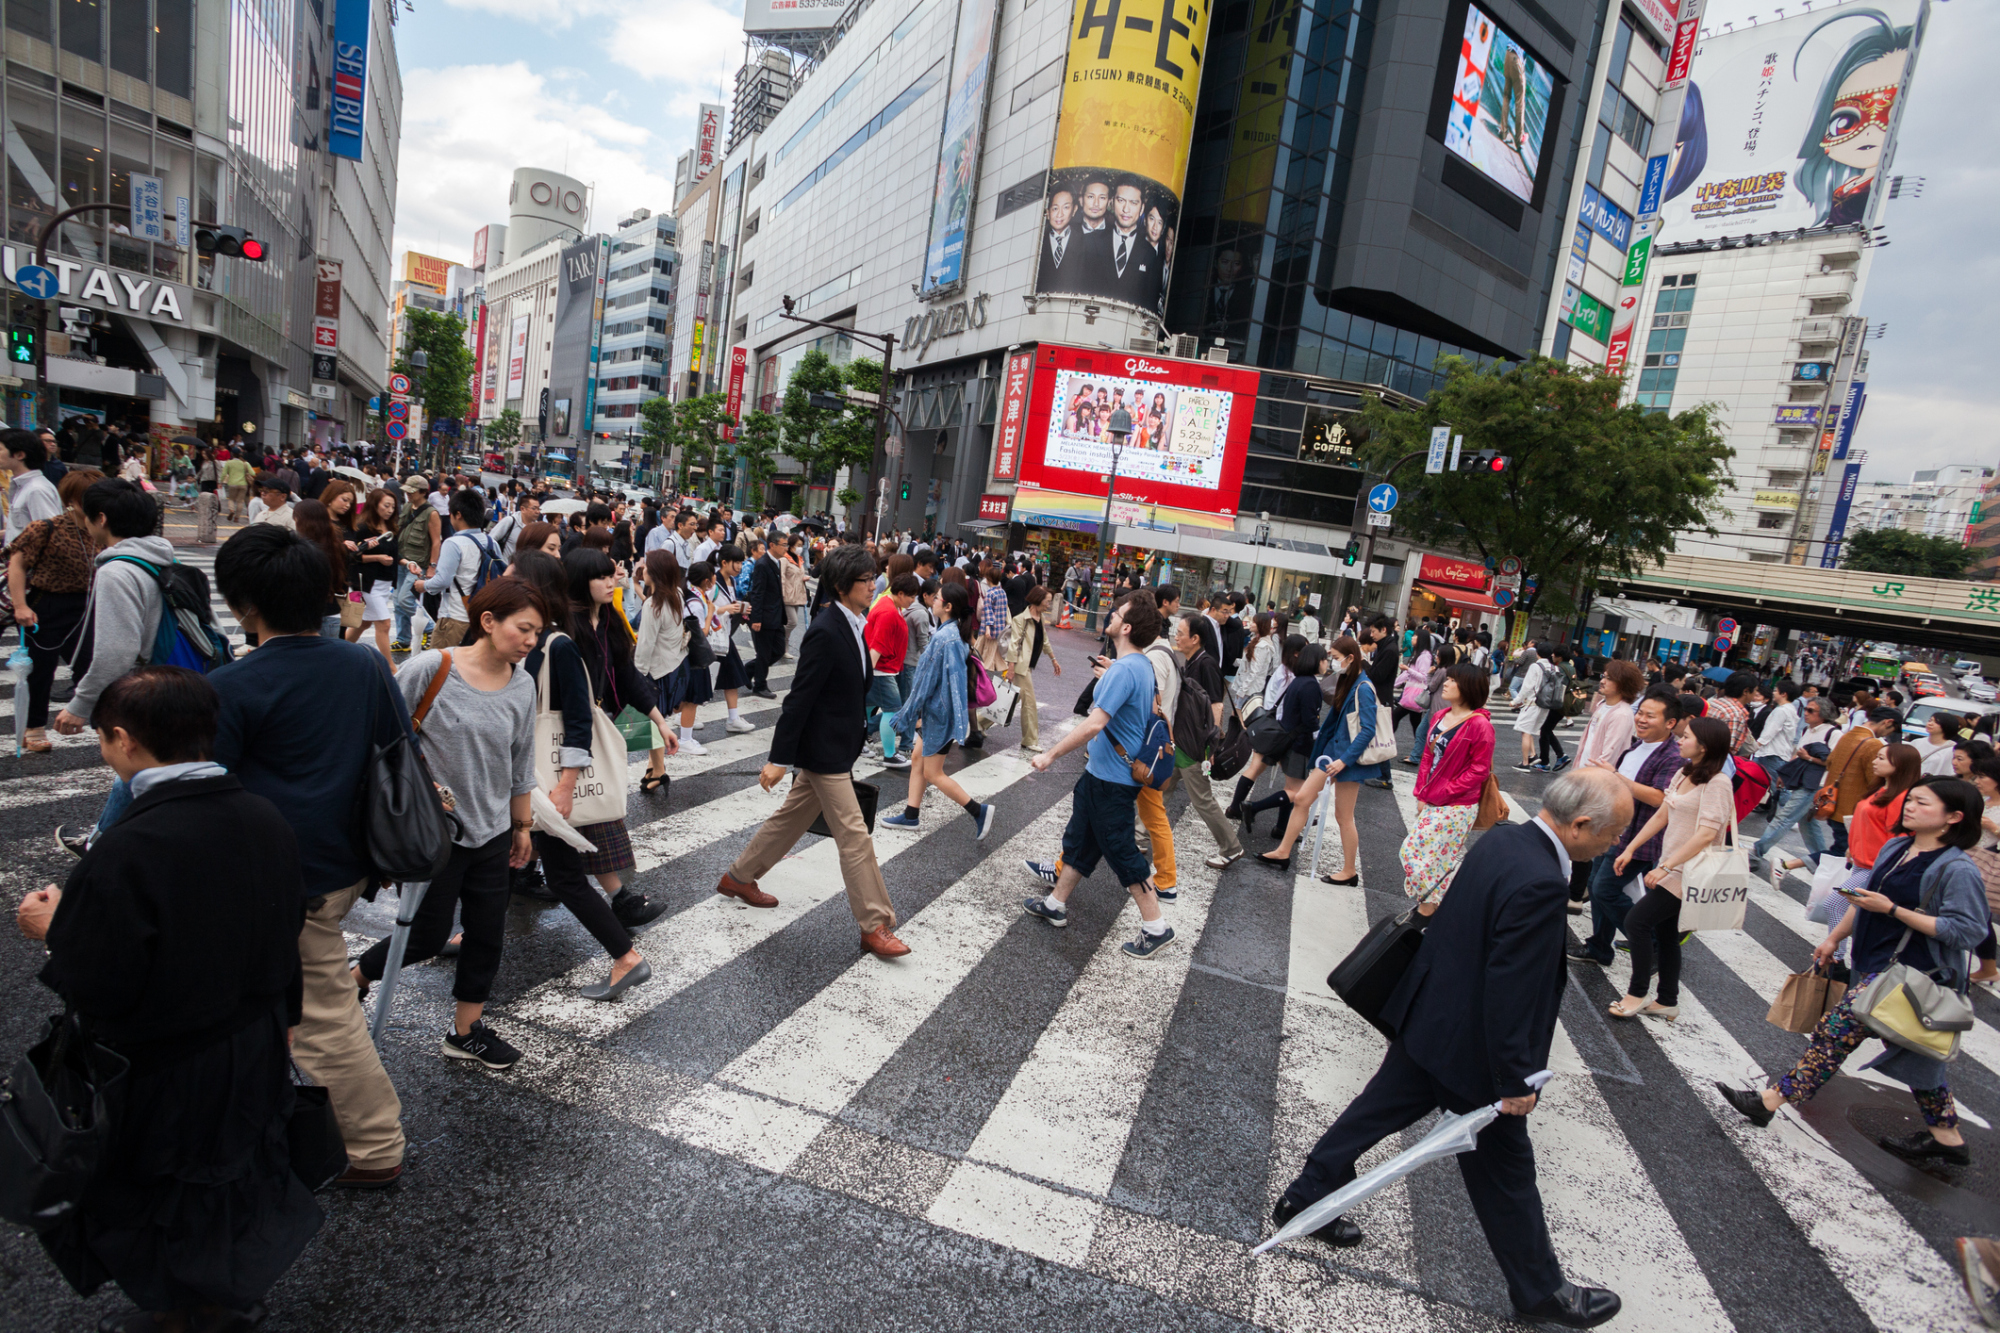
pixel 110 288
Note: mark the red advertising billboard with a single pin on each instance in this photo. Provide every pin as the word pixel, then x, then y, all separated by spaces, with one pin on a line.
pixel 1013 417
pixel 1469 574
pixel 1190 428
pixel 996 506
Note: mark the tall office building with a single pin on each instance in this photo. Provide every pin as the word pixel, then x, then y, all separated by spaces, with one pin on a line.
pixel 253 117
pixel 638 326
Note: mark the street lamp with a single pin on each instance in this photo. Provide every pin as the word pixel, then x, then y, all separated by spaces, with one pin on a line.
pixel 1119 428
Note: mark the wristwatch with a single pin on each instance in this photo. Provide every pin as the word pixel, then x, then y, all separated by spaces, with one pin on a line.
pixel 523 825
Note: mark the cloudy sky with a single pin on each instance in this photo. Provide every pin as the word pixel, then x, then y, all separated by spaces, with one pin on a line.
pixel 606 91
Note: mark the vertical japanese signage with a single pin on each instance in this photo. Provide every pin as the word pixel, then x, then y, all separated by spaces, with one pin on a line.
pixel 326 308
pixel 345 132
pixel 1013 417
pixel 517 357
pixel 1123 135
pixel 707 138
pixel 149 208
pixel 1836 526
pixel 482 376
pixel 739 360
pixel 958 146
pixel 1850 414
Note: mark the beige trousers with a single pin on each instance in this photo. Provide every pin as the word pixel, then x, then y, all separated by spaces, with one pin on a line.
pixel 331 1044
pixel 867 895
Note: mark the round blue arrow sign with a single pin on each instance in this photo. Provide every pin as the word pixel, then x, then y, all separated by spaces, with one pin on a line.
pixel 36 281
pixel 1382 498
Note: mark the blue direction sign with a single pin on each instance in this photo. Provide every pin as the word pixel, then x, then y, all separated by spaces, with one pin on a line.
pixel 36 281
pixel 1382 498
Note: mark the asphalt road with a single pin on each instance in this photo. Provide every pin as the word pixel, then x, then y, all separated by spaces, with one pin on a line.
pixel 1018 1128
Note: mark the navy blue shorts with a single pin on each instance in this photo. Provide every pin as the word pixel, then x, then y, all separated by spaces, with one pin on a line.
pixel 1100 829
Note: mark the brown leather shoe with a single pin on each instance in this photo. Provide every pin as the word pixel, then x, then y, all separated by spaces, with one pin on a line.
pixel 358 1178
pixel 883 944
pixel 751 895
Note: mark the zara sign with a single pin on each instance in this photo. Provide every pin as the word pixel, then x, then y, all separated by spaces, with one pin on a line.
pixel 110 288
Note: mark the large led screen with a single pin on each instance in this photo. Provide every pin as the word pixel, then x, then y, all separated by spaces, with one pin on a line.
pixel 1500 101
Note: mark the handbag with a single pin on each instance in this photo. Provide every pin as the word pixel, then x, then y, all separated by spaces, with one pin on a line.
pixel 1826 800
pixel 600 790
pixel 1155 763
pixel 1382 746
pixel 56 1108
pixel 1823 901
pixel 1375 966
pixel 983 693
pixel 641 736
pixel 1492 805
pixel 1268 736
pixel 312 1134
pixel 406 824
pixel 1907 1007
pixel 1231 753
pixel 350 611
pixel 866 794
pixel 1715 885
pixel 1804 999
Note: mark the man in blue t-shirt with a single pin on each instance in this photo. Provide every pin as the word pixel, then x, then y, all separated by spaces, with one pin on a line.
pixel 1104 803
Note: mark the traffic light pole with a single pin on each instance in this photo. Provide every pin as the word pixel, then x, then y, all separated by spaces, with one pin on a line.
pixel 1360 506
pixel 45 393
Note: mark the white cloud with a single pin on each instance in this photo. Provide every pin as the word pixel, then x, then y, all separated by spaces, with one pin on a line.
pixel 466 128
pixel 1903 431
pixel 541 13
pixel 693 45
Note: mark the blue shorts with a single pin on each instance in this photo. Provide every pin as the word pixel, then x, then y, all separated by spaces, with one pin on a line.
pixel 1100 829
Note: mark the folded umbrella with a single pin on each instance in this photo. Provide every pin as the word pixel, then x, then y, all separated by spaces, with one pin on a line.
pixel 1453 1134
pixel 21 665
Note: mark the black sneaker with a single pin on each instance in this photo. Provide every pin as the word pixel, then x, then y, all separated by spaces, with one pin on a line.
pixel 481 1044
pixel 634 909
pixel 1147 944
pixel 1165 895
pixel 528 883
pixel 1921 1147
pixel 1040 907
pixel 76 844
pixel 1524 768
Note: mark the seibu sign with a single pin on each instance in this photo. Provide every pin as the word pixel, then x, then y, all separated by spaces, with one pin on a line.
pixel 1467 574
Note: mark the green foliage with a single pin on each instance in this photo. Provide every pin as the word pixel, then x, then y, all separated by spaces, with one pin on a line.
pixel 659 429
pixel 446 384
pixel 757 441
pixel 825 439
pixel 1895 551
pixel 848 497
pixel 504 431
pixel 698 426
pixel 1593 486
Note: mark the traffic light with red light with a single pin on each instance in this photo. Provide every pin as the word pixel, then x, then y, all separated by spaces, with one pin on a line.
pixel 233 242
pixel 1485 460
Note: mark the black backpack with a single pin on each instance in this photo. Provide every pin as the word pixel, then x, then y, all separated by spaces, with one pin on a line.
pixel 1194 722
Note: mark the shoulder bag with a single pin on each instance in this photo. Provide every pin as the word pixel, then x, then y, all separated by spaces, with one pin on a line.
pixel 1375 966
pixel 1492 805
pixel 600 790
pixel 1908 1008
pixel 406 827
pixel 1715 884
pixel 1382 746
pixel 56 1109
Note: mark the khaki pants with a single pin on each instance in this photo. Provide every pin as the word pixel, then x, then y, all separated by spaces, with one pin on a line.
pixel 1159 835
pixel 867 895
pixel 331 1042
pixel 238 495
pixel 1031 729
pixel 449 633
pixel 1201 799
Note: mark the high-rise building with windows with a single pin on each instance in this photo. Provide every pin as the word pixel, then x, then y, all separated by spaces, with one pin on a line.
pixel 636 363
pixel 236 116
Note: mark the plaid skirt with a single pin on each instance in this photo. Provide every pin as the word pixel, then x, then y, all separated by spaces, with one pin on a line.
pixel 614 848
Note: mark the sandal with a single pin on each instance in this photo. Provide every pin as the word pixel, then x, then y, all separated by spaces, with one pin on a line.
pixel 652 781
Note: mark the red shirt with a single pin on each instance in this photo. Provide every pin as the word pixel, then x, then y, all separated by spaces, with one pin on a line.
pixel 888 634
pixel 1870 829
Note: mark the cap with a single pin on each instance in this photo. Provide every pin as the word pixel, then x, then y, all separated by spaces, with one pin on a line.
pixel 416 481
pixel 271 481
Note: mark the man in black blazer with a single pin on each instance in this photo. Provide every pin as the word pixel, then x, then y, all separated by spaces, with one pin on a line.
pixel 1474 1016
pixel 819 736
pixel 766 618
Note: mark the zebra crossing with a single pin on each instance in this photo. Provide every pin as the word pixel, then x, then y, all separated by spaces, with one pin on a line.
pixel 1012 1104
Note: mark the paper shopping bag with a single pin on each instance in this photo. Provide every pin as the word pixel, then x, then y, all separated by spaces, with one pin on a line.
pixel 1803 1000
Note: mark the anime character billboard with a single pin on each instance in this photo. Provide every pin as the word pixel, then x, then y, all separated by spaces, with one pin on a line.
pixel 1791 125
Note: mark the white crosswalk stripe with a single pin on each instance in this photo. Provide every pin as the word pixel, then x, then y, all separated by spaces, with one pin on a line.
pixel 1037 1165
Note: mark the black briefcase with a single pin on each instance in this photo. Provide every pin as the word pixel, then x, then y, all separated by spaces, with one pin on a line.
pixel 56 1109
pixel 1367 976
pixel 867 793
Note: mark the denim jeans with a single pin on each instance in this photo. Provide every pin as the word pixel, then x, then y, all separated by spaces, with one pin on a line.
pixel 1608 903
pixel 115 805
pixel 883 697
pixel 1794 811
pixel 406 603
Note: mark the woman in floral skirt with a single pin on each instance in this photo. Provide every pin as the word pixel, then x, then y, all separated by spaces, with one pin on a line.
pixel 1457 759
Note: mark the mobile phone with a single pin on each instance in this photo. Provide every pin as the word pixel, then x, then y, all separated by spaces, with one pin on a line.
pixel 1846 892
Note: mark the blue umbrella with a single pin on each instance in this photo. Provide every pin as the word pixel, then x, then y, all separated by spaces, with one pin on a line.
pixel 21 665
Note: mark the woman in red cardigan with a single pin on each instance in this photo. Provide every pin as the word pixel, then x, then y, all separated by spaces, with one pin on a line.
pixel 1457 760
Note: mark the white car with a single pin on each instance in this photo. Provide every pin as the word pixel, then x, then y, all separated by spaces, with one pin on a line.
pixel 1979 691
pixel 1965 666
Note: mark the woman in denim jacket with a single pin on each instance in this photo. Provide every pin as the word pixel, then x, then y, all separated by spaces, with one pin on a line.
pixel 1347 731
pixel 935 715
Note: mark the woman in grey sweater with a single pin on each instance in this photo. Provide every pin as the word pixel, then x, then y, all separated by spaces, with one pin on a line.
pixel 477 729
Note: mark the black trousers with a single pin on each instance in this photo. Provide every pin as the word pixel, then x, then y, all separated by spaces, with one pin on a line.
pixel 1653 927
pixel 474 881
pixel 1499 1175
pixel 769 643
pixel 562 867
pixel 1550 746
pixel 54 638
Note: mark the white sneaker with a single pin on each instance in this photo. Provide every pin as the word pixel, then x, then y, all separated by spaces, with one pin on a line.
pixel 737 726
pixel 692 746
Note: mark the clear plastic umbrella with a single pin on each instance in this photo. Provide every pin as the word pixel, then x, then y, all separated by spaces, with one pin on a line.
pixel 1454 1134
pixel 21 665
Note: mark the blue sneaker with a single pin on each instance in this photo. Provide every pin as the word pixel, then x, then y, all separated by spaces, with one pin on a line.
pixel 1040 907
pixel 1164 895
pixel 898 820
pixel 987 814
pixel 1044 871
pixel 1148 945
pixel 888 738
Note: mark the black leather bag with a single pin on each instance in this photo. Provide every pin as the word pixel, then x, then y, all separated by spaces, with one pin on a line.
pixel 866 793
pixel 405 829
pixel 56 1110
pixel 1232 751
pixel 318 1153
pixel 1268 736
pixel 1375 966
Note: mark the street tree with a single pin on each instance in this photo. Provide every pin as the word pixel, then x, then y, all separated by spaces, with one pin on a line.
pixel 1592 486
pixel 1896 551
pixel 698 423
pixel 445 384
pixel 659 429
pixel 827 439
pixel 504 431
pixel 757 443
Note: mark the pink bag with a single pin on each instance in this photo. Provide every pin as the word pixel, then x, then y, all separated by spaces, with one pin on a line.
pixel 983 693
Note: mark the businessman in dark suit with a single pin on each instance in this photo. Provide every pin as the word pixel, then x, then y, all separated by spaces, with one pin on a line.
pixel 1474 1016
pixel 818 737
pixel 766 618
pixel 1057 238
pixel 1133 274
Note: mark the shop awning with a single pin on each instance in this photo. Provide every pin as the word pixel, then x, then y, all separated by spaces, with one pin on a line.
pixel 982 524
pixel 1460 597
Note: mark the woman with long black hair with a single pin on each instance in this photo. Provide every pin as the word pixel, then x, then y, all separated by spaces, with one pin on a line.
pixel 1298 714
pixel 661 652
pixel 375 554
pixel 937 714
pixel 1345 733
pixel 316 526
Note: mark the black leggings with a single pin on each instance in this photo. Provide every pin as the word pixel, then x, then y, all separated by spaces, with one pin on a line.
pixel 475 881
pixel 1416 719
pixel 1985 950
pixel 53 640
pixel 1548 737
pixel 562 867
pixel 1654 927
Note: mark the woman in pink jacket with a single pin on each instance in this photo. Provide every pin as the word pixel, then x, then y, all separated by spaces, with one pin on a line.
pixel 1457 760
